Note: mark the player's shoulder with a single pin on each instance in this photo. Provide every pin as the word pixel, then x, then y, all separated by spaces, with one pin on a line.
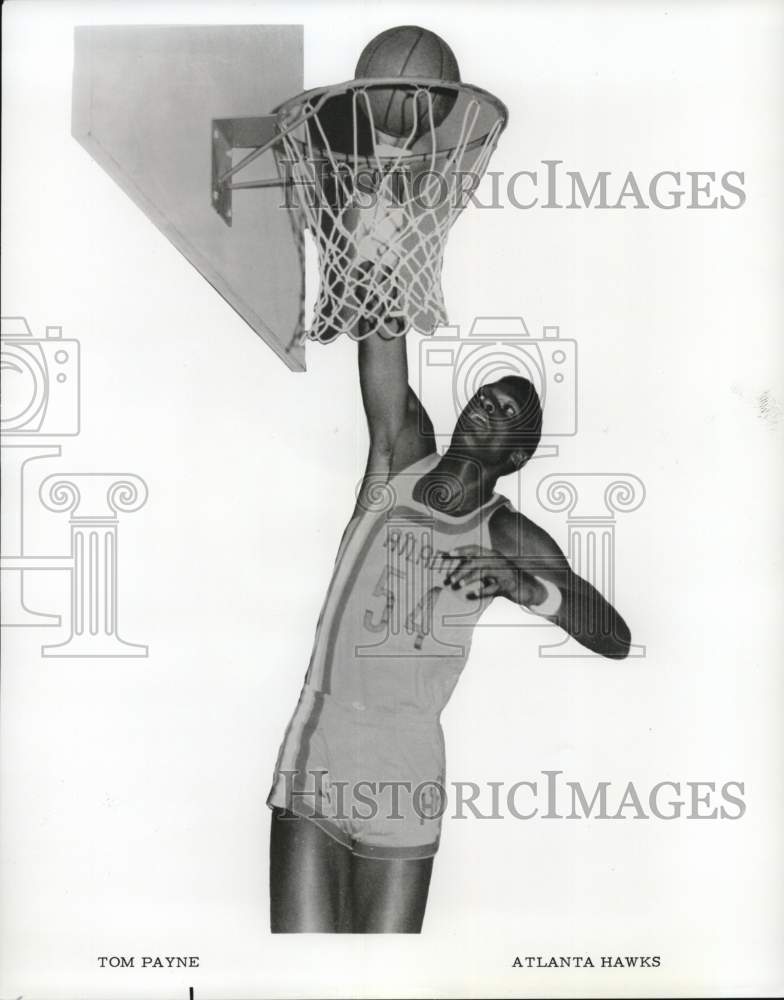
pixel 513 532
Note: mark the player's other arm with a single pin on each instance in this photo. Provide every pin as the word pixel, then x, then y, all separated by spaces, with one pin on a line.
pixel 582 611
pixel 399 428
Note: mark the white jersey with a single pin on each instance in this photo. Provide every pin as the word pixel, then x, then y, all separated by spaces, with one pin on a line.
pixel 391 636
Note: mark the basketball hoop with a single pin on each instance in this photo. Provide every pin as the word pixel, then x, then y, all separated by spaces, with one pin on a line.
pixel 378 206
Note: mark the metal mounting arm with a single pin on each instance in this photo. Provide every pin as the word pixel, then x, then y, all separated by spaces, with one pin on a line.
pixel 256 134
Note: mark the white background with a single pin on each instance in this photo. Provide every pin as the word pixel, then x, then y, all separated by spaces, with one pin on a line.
pixel 133 815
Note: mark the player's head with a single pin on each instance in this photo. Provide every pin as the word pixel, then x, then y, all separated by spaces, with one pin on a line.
pixel 500 425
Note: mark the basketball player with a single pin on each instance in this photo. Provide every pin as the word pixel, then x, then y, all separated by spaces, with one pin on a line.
pixel 356 798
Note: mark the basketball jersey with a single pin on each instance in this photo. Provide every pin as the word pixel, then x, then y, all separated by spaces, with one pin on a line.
pixel 392 637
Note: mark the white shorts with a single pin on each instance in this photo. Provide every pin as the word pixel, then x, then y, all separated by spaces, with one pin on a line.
pixel 372 780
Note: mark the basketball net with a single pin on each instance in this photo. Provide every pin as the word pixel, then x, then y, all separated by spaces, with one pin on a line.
pixel 379 208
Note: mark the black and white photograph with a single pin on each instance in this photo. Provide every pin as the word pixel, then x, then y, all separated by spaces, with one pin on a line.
pixel 391 445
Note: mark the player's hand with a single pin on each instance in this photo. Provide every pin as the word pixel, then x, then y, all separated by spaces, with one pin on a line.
pixel 483 573
pixel 387 323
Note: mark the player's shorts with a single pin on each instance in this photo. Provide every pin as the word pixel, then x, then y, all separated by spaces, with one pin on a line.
pixel 372 780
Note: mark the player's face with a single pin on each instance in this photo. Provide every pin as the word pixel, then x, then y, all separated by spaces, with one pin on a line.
pixel 487 425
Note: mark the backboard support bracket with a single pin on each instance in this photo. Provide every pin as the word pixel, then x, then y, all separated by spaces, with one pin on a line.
pixel 229 134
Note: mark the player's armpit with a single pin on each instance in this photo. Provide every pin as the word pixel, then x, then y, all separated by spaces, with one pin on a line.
pixel 400 429
pixel 414 442
pixel 416 438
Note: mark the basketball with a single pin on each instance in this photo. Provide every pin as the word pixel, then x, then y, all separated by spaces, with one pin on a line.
pixel 408 52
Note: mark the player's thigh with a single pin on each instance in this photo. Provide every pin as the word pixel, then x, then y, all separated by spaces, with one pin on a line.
pixel 309 878
pixel 389 897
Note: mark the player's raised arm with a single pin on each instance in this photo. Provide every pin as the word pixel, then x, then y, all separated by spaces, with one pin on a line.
pixel 383 380
pixel 527 566
pixel 399 428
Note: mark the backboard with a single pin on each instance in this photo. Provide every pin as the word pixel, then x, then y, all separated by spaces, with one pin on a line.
pixel 144 98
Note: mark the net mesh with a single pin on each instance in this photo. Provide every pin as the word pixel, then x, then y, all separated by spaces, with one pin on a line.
pixel 379 207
